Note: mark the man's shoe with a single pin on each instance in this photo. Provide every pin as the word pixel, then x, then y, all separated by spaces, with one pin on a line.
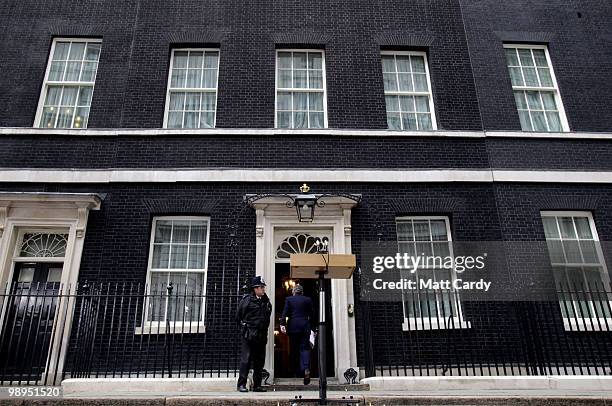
pixel 259 389
pixel 306 376
pixel 242 388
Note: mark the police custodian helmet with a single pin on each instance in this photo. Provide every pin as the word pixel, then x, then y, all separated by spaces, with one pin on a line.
pixel 257 281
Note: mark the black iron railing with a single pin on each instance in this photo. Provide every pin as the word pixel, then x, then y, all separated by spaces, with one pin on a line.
pixel 443 334
pixel 116 330
pixel 52 332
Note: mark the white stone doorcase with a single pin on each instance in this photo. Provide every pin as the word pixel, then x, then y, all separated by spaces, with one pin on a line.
pixel 275 219
pixel 65 214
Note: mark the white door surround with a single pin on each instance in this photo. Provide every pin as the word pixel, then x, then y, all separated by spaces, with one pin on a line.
pixel 47 212
pixel 273 217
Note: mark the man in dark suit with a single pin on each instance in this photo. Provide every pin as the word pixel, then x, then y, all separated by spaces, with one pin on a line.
pixel 298 310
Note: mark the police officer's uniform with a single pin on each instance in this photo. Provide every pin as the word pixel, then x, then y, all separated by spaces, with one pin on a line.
pixel 253 315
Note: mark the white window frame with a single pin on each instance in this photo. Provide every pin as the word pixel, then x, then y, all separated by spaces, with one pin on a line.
pixel 159 327
pixel 194 90
pixel 429 94
pixel 433 323
pixel 305 90
pixel 578 323
pixel 554 89
pixel 46 82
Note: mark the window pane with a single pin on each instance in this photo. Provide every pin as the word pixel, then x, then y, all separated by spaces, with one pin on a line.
pixel 394 121
pixel 388 63
pixel 540 57
pixel 519 97
pixel 392 103
pixel 403 63
pixel 191 120
pixel 180 59
pixel 163 229
pixel 316 101
pixel 89 72
pixel 545 78
pixel 65 117
pixel 57 70
pixel 178 78
pixel 192 101
pixel 525 121
pixel 73 70
pixel 404 231
pixel 299 60
pixel 208 101
pixel 549 100
pixel 555 251
pixel 198 232
pixel 299 79
pixel 178 259
pixel 85 93
pixel 69 96
pixel 210 78
pixel 317 120
pixel 530 77
pixel 583 227
pixel 438 230
pixel 77 51
pixel 300 101
pixel 424 121
pixel 53 95
pixel 539 122
pixel 284 79
pixel 550 227
pixel 48 117
pixel 589 251
pixel 177 101
pixel 554 122
pixel 284 60
pixel 511 57
pixel 407 103
pixel 525 57
pixel 418 64
pixel 405 82
pixel 516 77
pixel 211 60
pixel 93 52
pixel 194 78
pixel 207 119
pixel 390 82
pixel 566 226
pixel 316 79
pixel 409 121
pixel 161 254
pixel 533 100
pixel 572 251
pixel 421 230
pixel 61 51
pixel 81 117
pixel 300 120
pixel 284 119
pixel 420 83
pixel 197 255
pixel 315 61
pixel 422 103
pixel 196 59
pixel 175 120
pixel 284 101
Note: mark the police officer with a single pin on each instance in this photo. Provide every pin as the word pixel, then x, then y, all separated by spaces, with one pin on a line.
pixel 298 309
pixel 253 315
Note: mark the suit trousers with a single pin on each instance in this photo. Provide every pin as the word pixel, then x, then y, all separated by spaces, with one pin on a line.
pixel 253 354
pixel 299 346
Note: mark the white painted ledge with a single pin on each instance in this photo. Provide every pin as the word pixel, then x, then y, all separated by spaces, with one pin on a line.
pixel 441 383
pixel 333 132
pixel 118 386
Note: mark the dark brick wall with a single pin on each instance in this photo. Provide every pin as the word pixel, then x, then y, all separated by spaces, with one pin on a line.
pixel 579 48
pixel 137 37
pixel 117 245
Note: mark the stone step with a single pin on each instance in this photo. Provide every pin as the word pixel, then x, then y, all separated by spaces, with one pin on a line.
pixel 292 385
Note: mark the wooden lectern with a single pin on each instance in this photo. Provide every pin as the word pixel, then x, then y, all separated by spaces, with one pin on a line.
pixel 322 266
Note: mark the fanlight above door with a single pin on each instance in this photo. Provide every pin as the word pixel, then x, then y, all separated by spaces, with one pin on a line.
pixel 300 243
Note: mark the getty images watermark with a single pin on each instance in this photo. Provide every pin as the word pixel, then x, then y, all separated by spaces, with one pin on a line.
pixel 440 271
pixel 417 266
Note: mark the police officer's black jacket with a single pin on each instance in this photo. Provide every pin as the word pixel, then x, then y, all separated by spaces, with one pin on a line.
pixel 254 312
